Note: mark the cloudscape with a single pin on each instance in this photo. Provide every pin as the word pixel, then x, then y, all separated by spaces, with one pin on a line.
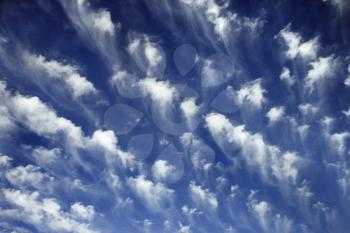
pixel 174 116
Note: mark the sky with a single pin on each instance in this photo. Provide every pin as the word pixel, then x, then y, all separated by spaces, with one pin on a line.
pixel 174 116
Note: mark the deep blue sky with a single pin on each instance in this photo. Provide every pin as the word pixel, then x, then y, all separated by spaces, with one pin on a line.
pixel 179 116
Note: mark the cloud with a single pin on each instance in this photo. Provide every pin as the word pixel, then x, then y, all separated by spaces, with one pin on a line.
pixel 155 196
pixel 252 93
pixel 28 176
pixel 56 70
pixel 346 113
pixel 267 160
pixel 224 22
pixel 296 46
pixel 286 76
pixel 45 214
pixel 275 114
pixel 148 55
pixel 190 110
pixel 161 170
pixel 321 70
pixel 41 119
pixel 95 27
pixel 82 212
pixel 203 198
pixel 161 92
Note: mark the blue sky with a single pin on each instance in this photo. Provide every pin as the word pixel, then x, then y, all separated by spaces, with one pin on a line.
pixel 171 116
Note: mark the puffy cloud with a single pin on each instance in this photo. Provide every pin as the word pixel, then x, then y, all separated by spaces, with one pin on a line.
pixel 44 156
pixel 41 119
pixel 161 92
pixel 275 114
pixel 95 27
pixel 321 70
pixel 203 198
pixel 127 84
pixel 5 160
pixel 46 214
pixel 66 73
pixel 161 170
pixel 252 93
pixel 102 21
pixel 269 160
pixel 202 156
pixel 28 176
pixel 155 196
pixel 224 22
pixel 190 110
pixel 268 219
pixel 82 212
pixel 308 110
pixel 338 141
pixel 346 113
pixel 296 46
pixel 286 76
pixel 148 56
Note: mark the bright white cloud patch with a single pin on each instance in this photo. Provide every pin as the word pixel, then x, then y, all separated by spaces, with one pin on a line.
pixel 28 176
pixel 287 77
pixel 161 92
pixel 161 170
pixel 155 196
pixel 296 46
pixel 321 70
pixel 148 55
pixel 252 93
pixel 102 21
pixel 266 159
pixel 69 74
pixel 46 213
pixel 203 198
pixel 275 114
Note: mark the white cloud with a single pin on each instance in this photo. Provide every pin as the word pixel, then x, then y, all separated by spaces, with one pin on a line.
pixel 28 176
pixel 261 210
pixel 36 116
pixel 105 139
pixel 161 170
pixel 82 212
pixel 296 46
pixel 44 156
pixel 95 27
pixel 252 93
pixel 275 114
pixel 5 161
pixel 155 196
pixel 103 22
pixel 224 22
pixel 127 84
pixel 308 110
pixel 287 77
pixel 46 214
pixel 321 70
pixel 268 160
pixel 66 73
pixel 148 55
pixel 203 198
pixel 346 113
pixel 347 80
pixel 338 141
pixel 190 110
pixel 160 92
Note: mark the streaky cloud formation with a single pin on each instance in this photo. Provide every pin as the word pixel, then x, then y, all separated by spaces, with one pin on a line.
pixel 188 116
